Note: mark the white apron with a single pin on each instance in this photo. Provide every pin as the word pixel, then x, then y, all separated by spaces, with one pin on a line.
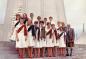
pixel 30 41
pixel 49 41
pixel 61 41
pixel 38 43
pixel 21 43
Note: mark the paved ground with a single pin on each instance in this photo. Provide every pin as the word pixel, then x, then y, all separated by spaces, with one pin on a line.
pixel 81 39
pixel 7 51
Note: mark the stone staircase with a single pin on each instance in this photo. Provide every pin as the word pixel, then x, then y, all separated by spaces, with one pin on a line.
pixel 8 51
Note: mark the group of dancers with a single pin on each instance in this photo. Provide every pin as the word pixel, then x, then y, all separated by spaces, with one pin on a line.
pixel 42 37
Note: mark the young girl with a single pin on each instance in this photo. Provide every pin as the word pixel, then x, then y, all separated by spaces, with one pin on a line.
pixel 53 35
pixel 42 38
pixel 48 40
pixel 36 40
pixel 55 38
pixel 39 19
pixel 30 40
pixel 38 44
pixel 31 16
pixel 21 38
pixel 62 44
pixel 45 22
pixel 50 19
pixel 57 41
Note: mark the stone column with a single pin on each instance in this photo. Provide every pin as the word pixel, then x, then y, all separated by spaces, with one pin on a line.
pixel 61 10
pixel 54 8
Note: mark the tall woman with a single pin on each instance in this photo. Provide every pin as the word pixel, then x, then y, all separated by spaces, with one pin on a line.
pixel 25 18
pixel 21 38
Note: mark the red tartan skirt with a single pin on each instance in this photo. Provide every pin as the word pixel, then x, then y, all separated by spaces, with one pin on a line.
pixel 69 44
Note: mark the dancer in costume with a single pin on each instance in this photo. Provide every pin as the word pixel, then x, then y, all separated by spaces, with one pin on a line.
pixel 62 43
pixel 49 40
pixel 53 36
pixel 30 40
pixel 69 40
pixel 42 38
pixel 21 38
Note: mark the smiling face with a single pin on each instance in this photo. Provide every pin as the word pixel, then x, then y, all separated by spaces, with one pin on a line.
pixel 45 19
pixel 21 21
pixel 53 26
pixel 31 15
pixel 50 18
pixel 39 18
pixel 24 15
pixel 36 23
pixel 48 24
pixel 41 23
pixel 17 16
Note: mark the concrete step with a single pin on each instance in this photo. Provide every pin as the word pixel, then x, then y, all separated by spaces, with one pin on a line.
pixel 8 51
